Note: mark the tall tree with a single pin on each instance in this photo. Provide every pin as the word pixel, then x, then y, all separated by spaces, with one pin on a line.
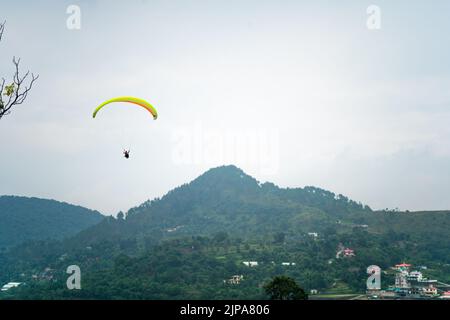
pixel 284 288
pixel 16 92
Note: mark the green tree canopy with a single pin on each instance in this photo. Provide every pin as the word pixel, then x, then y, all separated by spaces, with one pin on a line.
pixel 284 288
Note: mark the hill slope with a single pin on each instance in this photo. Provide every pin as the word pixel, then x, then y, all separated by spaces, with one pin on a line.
pixel 225 199
pixel 23 219
pixel 187 243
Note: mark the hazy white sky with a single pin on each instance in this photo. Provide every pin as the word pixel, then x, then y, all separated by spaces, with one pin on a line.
pixel 294 92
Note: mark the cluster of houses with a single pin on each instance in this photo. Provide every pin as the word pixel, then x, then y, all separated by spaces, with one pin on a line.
pixel 46 275
pixel 413 285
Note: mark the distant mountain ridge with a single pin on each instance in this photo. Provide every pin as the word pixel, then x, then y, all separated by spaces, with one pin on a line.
pixel 230 183
pixel 227 199
pixel 23 219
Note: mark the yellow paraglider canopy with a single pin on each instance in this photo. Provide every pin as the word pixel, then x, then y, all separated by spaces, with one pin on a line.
pixel 140 102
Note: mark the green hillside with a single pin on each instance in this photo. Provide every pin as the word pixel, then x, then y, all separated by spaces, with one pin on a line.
pixel 184 245
pixel 23 219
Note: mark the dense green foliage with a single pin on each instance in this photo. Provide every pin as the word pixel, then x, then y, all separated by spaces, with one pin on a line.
pixel 226 199
pixel 284 288
pixel 185 245
pixel 23 219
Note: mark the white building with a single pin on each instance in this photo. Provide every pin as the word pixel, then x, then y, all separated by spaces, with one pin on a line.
pixel 10 285
pixel 401 280
pixel 288 263
pixel 236 279
pixel 430 291
pixel 173 229
pixel 415 276
pixel 250 263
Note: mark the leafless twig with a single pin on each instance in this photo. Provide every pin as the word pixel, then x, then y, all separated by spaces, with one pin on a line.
pixel 15 93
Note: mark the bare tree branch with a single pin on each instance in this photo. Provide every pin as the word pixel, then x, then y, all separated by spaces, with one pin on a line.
pixel 15 93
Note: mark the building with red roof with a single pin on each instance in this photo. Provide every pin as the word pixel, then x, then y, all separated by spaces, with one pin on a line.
pixel 349 252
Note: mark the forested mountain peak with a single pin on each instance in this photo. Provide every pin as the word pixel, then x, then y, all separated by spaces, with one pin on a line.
pixel 228 185
pixel 226 199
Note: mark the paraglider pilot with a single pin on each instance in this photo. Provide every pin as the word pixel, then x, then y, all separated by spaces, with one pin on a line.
pixel 126 153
